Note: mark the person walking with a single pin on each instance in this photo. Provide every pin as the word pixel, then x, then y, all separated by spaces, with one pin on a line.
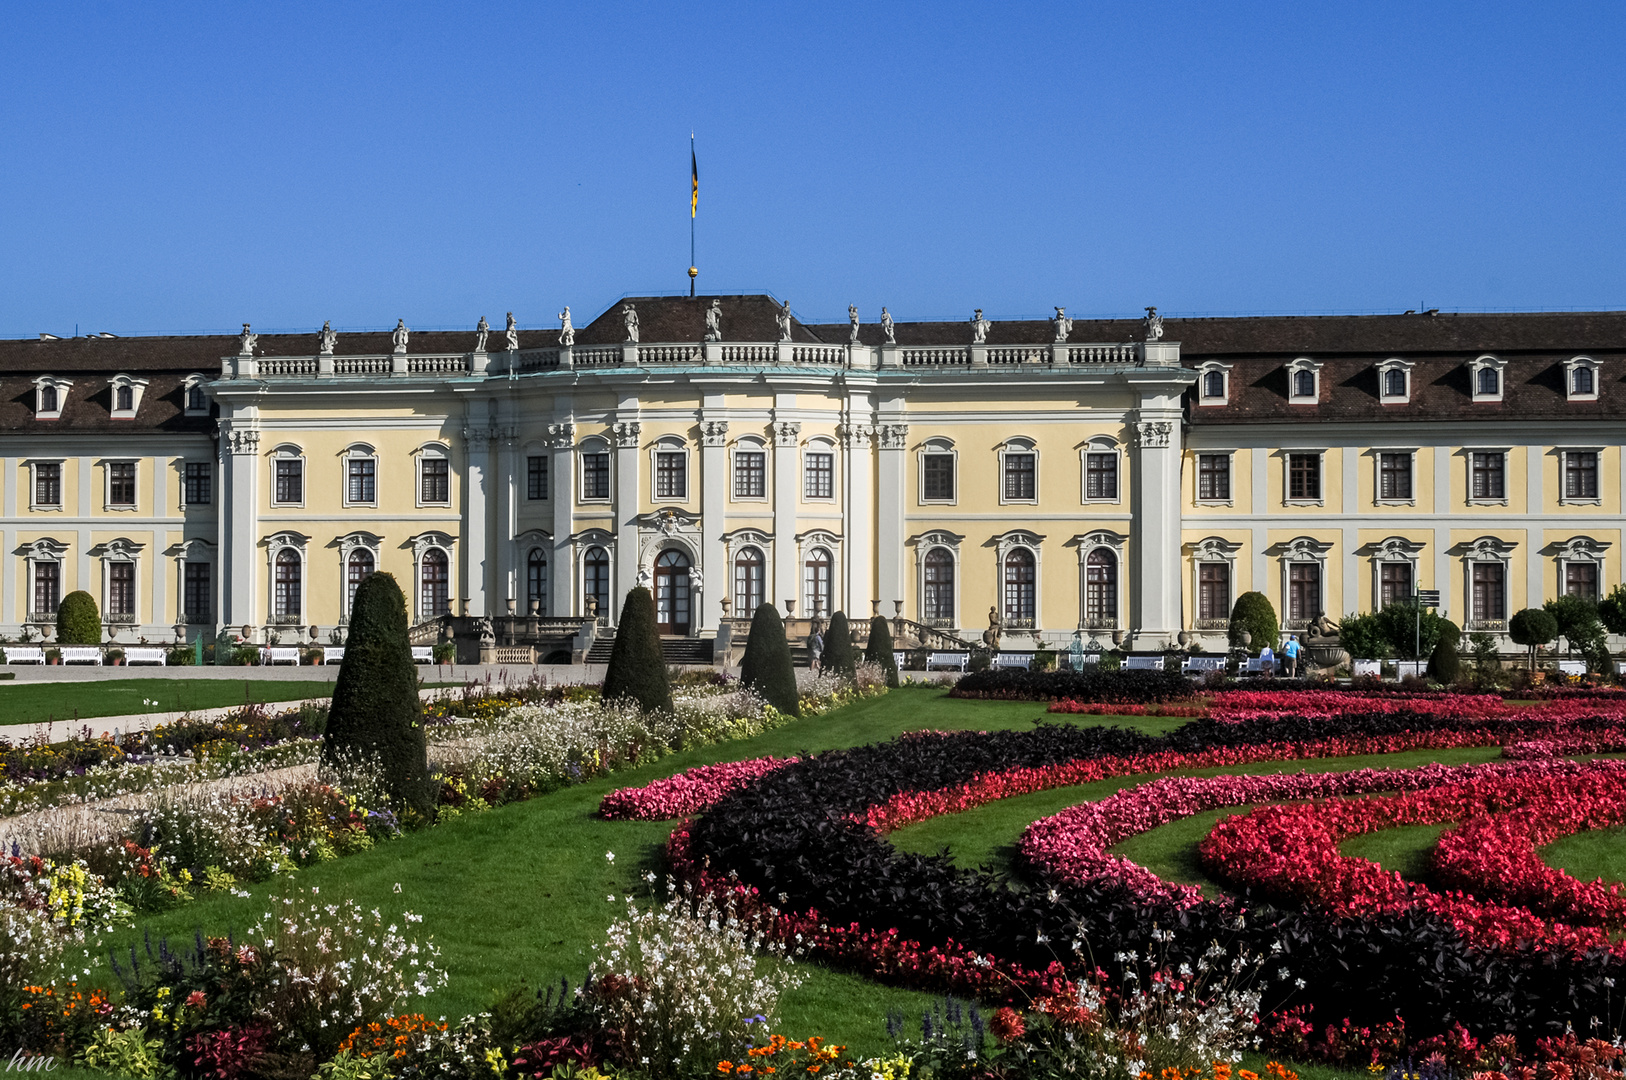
pixel 1267 662
pixel 1291 651
pixel 815 648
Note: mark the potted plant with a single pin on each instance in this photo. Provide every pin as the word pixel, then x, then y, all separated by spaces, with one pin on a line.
pixel 1044 660
pixel 53 656
pixel 445 652
pixel 114 657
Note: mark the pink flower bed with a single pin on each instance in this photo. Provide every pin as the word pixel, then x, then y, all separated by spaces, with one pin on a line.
pixel 689 792
pixel 1237 705
pixel 1099 708
pixel 1567 745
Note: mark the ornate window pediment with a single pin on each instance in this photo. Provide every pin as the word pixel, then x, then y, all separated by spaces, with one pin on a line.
pixel 1582 375
pixel 50 395
pixel 1394 381
pixel 1304 381
pixel 1214 549
pixel 432 539
pixel 1486 378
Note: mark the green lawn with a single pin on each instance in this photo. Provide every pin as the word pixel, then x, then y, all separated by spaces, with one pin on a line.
pixel 36 703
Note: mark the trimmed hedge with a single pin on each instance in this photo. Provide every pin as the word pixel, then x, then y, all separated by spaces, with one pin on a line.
pixel 376 716
pixel 1254 613
pixel 78 621
pixel 1121 687
pixel 880 649
pixel 838 648
pixel 766 665
pixel 636 669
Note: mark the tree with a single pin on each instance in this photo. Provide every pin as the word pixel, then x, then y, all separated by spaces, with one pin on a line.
pixel 1532 627
pixel 1577 619
pixel 376 715
pixel 1612 610
pixel 879 650
pixel 78 622
pixel 766 666
pixel 1254 613
pixel 838 648
pixel 1444 665
pixel 637 669
pixel 1402 627
pixel 1364 637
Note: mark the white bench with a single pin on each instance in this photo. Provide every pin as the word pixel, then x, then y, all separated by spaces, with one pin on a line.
pixel 1404 668
pixel 1088 659
pixel 146 656
pixel 1196 665
pixel 280 655
pixel 1572 667
pixel 1023 660
pixel 81 654
pixel 24 654
pixel 1144 663
pixel 948 661
pixel 332 654
pixel 1256 666
pixel 1366 669
pixel 423 654
pixel 898 658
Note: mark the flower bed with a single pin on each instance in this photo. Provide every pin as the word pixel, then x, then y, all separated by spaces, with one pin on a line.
pixel 688 792
pixel 1120 686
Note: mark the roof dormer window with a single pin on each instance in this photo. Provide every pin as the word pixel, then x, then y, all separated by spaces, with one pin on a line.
pixel 1304 382
pixel 1213 383
pixel 1394 382
pixel 127 393
pixel 1485 375
pixel 197 402
pixel 49 396
pixel 1581 379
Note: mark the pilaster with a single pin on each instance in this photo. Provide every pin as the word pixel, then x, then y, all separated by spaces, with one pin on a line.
pixel 858 514
pixel 1155 543
pixel 562 480
pixel 476 578
pixel 239 520
pixel 890 505
pixel 787 439
pixel 627 454
pixel 506 587
pixel 713 512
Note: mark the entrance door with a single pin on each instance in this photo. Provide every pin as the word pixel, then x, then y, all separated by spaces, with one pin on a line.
pixel 672 593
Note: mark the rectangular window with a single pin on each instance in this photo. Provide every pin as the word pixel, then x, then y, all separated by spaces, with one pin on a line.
pixel 1303 591
pixel 290 481
pixel 199 490
pixel 121 588
pixel 1490 598
pixel 1581 579
pixel 937 477
pixel 596 476
pixel 1101 475
pixel 437 480
pixel 671 475
pixel 1394 476
pixel 1394 583
pixel 197 591
pixel 1213 590
pixel 1304 477
pixel 536 478
pixel 47 587
pixel 48 484
pixel 819 479
pixel 359 481
pixel 1488 473
pixel 1214 479
pixel 121 483
pixel 1581 474
pixel 1019 476
pixel 750 474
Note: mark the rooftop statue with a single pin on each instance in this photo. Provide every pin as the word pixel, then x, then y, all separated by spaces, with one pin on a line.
pixel 330 340
pixel 979 327
pixel 852 317
pixel 629 316
pixel 784 321
pixel 512 334
pixel 714 321
pixel 482 330
pixel 401 334
pixel 567 333
pixel 245 344
pixel 1063 325
pixel 1154 325
pixel 887 327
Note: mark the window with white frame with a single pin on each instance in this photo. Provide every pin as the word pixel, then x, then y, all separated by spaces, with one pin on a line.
pixel 1395 585
pixel 1213 383
pixel 1100 471
pixel 750 470
pixel 358 567
pixel 595 485
pixel 536 581
pixel 596 580
pixel 127 392
pixel 1304 476
pixel 1581 379
pixel 434 584
pixel 1214 477
pixel 1019 472
pixel 1487 475
pixel 1485 375
pixel 197 599
pixel 1101 588
pixel 287 476
pixel 1020 575
pixel 819 471
pixel 937 587
pixel 288 586
pixel 1394 382
pixel 1580 568
pixel 50 394
pixel 937 472
pixel 121 589
pixel 816 572
pixel 197 483
pixel 46 486
pixel 1581 475
pixel 197 401
pixel 1304 382
pixel 671 472
pixel 1394 476
pixel 1485 562
pixel 1213 591
pixel 536 477
pixel 121 485
pixel 360 476
pixel 47 586
pixel 434 476
pixel 750 570
pixel 1581 579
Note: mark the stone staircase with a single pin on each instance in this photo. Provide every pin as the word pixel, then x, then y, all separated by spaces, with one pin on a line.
pixel 674 650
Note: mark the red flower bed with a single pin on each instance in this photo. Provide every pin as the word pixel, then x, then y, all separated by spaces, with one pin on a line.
pixel 1233 705
pixel 1096 708
pixel 689 792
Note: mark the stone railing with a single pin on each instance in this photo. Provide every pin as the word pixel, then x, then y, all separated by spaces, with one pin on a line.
pixel 536 360
pixel 937 356
pixel 438 364
pixel 288 366
pixel 361 365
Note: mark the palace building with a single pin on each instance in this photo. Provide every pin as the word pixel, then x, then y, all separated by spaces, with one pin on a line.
pixel 1111 479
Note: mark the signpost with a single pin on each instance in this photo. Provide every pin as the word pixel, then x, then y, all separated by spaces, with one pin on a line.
pixel 1423 598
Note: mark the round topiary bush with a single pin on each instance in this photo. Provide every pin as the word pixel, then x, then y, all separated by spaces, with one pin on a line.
pixel 78 621
pixel 376 717
pixel 880 650
pixel 637 670
pixel 766 666
pixel 838 653
pixel 1532 627
pixel 1254 613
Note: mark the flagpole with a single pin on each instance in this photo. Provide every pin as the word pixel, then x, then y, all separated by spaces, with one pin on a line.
pixel 694 206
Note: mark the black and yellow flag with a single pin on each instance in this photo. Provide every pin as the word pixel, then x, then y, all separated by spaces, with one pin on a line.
pixel 694 180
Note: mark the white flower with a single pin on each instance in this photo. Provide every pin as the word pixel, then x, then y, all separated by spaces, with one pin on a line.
pixel 609 856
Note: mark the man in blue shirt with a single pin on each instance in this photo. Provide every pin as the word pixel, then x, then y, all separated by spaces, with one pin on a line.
pixel 1291 651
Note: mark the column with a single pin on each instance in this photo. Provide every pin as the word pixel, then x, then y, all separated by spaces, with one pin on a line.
pixel 1155 540
pixel 475 581
pixel 858 515
pixel 239 522
pixel 506 588
pixel 562 481
pixel 8 543
pixel 714 567
pixel 627 451
pixel 1535 507
pixel 890 500
pixel 787 440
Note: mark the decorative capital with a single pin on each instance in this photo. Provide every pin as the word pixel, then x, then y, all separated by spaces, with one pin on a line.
pixel 786 432
pixel 242 441
pixel 626 433
pixel 856 436
pixel 561 436
pixel 1154 433
pixel 477 438
pixel 714 432
pixel 893 436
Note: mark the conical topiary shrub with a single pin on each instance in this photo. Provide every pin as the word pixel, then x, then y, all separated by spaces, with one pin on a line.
pixel 637 669
pixel 1445 666
pixel 766 666
pixel 78 621
pixel 879 650
pixel 838 648
pixel 376 717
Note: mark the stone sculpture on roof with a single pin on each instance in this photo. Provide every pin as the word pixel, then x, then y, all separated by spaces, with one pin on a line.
pixel 979 327
pixel 482 330
pixel 887 328
pixel 567 333
pixel 330 340
pixel 784 321
pixel 401 334
pixel 1063 325
pixel 852 317
pixel 1154 325
pixel 629 316
pixel 512 334
pixel 245 344
pixel 714 321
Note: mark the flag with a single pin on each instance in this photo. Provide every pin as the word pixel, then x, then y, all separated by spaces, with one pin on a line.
pixel 694 180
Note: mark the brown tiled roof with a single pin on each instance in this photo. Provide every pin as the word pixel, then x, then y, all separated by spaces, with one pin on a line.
pixel 88 405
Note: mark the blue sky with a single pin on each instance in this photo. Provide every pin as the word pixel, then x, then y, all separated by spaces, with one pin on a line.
pixel 173 168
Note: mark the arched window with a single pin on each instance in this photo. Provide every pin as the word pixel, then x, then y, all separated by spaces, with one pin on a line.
pixel 125 399
pixel 672 592
pixel 1101 587
pixel 1214 384
pixel 938 603
pixel 536 582
pixel 1582 380
pixel 48 403
pixel 1020 575
pixel 357 569
pixel 434 579
pixel 1304 384
pixel 596 578
pixel 816 583
pixel 1394 383
pixel 1490 380
pixel 749 569
pixel 195 399
pixel 288 579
